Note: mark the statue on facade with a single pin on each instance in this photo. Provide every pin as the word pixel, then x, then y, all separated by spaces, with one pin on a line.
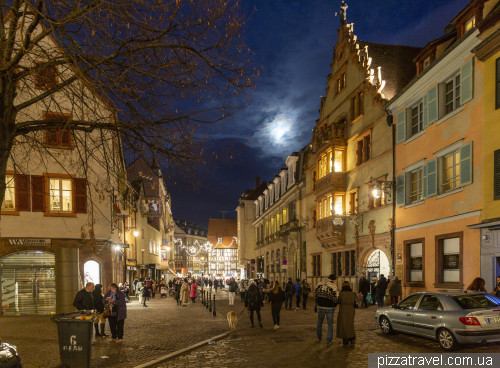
pixel 342 13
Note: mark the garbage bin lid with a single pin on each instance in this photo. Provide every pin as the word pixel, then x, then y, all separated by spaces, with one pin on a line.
pixel 77 316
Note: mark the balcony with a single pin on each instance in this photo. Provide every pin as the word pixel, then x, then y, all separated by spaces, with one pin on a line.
pixel 292 225
pixel 335 134
pixel 330 236
pixel 333 182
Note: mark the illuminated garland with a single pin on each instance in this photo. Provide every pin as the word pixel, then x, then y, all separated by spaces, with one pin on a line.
pixel 192 250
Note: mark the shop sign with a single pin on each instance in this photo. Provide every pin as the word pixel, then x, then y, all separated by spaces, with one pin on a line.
pixel 416 263
pixel 151 207
pixel 451 261
pixel 131 268
pixel 143 267
pixel 171 264
pixel 30 242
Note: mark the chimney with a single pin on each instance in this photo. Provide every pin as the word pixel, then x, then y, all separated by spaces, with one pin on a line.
pixel 257 182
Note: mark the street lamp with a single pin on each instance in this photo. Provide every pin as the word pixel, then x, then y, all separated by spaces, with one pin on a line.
pixel 136 233
pixel 377 190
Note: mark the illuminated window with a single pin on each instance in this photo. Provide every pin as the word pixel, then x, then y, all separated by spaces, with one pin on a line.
pixel 61 196
pixel 470 23
pixel 278 221
pixel 9 201
pixel 416 185
pixel 339 204
pixel 284 216
pixel 325 207
pixel 339 161
pixel 320 210
pixel 330 206
pixel 452 171
pixel 267 228
pixel 272 225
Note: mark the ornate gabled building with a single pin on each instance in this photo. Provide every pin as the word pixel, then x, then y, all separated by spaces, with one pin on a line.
pixel 350 155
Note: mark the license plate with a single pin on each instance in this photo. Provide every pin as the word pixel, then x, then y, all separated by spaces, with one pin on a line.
pixel 493 320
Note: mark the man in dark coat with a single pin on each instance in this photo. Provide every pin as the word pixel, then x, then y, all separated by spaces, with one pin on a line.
pixel 254 302
pixel 364 289
pixel 381 288
pixel 84 299
pixel 289 292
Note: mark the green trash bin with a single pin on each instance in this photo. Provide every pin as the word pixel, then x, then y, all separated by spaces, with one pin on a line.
pixel 75 338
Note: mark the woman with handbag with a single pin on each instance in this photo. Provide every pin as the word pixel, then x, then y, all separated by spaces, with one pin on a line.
pixel 99 310
pixel 118 305
pixel 347 302
pixel 185 293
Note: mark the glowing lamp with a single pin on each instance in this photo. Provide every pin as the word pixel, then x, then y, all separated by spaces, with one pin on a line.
pixel 136 233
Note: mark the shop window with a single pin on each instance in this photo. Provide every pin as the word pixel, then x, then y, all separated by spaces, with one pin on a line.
pixel 449 258
pixel 61 196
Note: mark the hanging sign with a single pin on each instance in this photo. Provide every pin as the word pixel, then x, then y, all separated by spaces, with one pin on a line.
pixel 151 207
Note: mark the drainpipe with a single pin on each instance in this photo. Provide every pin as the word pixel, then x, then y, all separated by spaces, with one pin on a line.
pixel 390 123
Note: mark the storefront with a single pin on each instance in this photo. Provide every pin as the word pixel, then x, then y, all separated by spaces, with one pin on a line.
pixel 490 252
pixel 28 283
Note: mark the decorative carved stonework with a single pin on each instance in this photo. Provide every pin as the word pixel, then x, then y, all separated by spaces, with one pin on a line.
pixel 332 182
pixel 330 236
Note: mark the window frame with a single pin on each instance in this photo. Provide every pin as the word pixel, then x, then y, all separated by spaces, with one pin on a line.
pixel 38 79
pixel 454 167
pixel 60 180
pixel 13 210
pixel 407 263
pixel 420 118
pixel 420 171
pixel 469 21
pixel 455 101
pixel 439 241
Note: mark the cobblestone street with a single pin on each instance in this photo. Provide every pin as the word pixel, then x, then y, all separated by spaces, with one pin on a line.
pixel 164 328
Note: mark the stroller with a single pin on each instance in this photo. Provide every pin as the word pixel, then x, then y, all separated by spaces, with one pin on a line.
pixel 163 291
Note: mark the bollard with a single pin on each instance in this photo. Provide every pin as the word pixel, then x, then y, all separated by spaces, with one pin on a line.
pixel 214 312
pixel 202 297
pixel 206 300
pixel 210 299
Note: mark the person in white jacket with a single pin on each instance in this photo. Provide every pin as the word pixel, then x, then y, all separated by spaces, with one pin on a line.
pixel 140 286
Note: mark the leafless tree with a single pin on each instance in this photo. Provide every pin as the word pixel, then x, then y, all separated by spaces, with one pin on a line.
pixel 156 77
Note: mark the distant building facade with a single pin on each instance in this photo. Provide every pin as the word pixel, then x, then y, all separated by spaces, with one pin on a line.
pixel 223 261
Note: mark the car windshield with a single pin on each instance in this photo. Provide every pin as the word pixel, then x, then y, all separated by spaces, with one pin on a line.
pixel 471 301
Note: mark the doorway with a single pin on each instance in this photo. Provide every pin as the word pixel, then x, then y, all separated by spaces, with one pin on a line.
pixel 92 272
pixel 27 283
pixel 377 264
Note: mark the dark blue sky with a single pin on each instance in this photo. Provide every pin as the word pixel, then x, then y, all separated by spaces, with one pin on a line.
pixel 294 41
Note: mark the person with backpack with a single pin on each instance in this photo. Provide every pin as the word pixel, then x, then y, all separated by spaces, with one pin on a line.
pixel 145 295
pixel 325 295
pixel 297 293
pixel 289 291
pixel 305 291
pixel 254 303
pixel 276 298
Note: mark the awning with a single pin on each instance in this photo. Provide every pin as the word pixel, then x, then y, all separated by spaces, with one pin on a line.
pixel 494 225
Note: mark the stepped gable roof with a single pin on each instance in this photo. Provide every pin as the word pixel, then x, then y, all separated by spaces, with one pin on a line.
pixel 396 62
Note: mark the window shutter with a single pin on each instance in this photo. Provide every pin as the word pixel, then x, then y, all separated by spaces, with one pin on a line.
pixel 431 178
pixel 38 193
pixel 466 164
pixel 400 190
pixel 496 175
pixel 432 105
pixel 401 126
pixel 65 137
pixel 51 137
pixel 425 109
pixel 80 186
pixel 22 185
pixel 497 83
pixel 424 182
pixel 466 81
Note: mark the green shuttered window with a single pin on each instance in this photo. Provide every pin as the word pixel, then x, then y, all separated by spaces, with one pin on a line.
pixel 466 164
pixel 466 72
pixel 401 126
pixel 430 181
pixel 496 175
pixel 400 190
pixel 497 83
pixel 432 105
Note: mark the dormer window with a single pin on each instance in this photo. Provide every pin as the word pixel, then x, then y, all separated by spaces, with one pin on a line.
pixel 471 23
pixel 426 62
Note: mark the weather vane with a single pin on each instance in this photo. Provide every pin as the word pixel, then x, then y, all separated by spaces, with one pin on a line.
pixel 342 13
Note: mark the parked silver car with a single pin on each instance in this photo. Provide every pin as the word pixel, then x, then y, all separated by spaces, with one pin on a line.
pixel 451 318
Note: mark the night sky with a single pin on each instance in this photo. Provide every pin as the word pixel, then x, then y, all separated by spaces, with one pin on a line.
pixel 294 41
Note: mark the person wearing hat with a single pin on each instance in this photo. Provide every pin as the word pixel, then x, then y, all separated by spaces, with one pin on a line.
pixel 325 295
pixel 395 290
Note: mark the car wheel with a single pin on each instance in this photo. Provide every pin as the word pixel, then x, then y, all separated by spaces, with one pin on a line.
pixel 385 326
pixel 447 340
